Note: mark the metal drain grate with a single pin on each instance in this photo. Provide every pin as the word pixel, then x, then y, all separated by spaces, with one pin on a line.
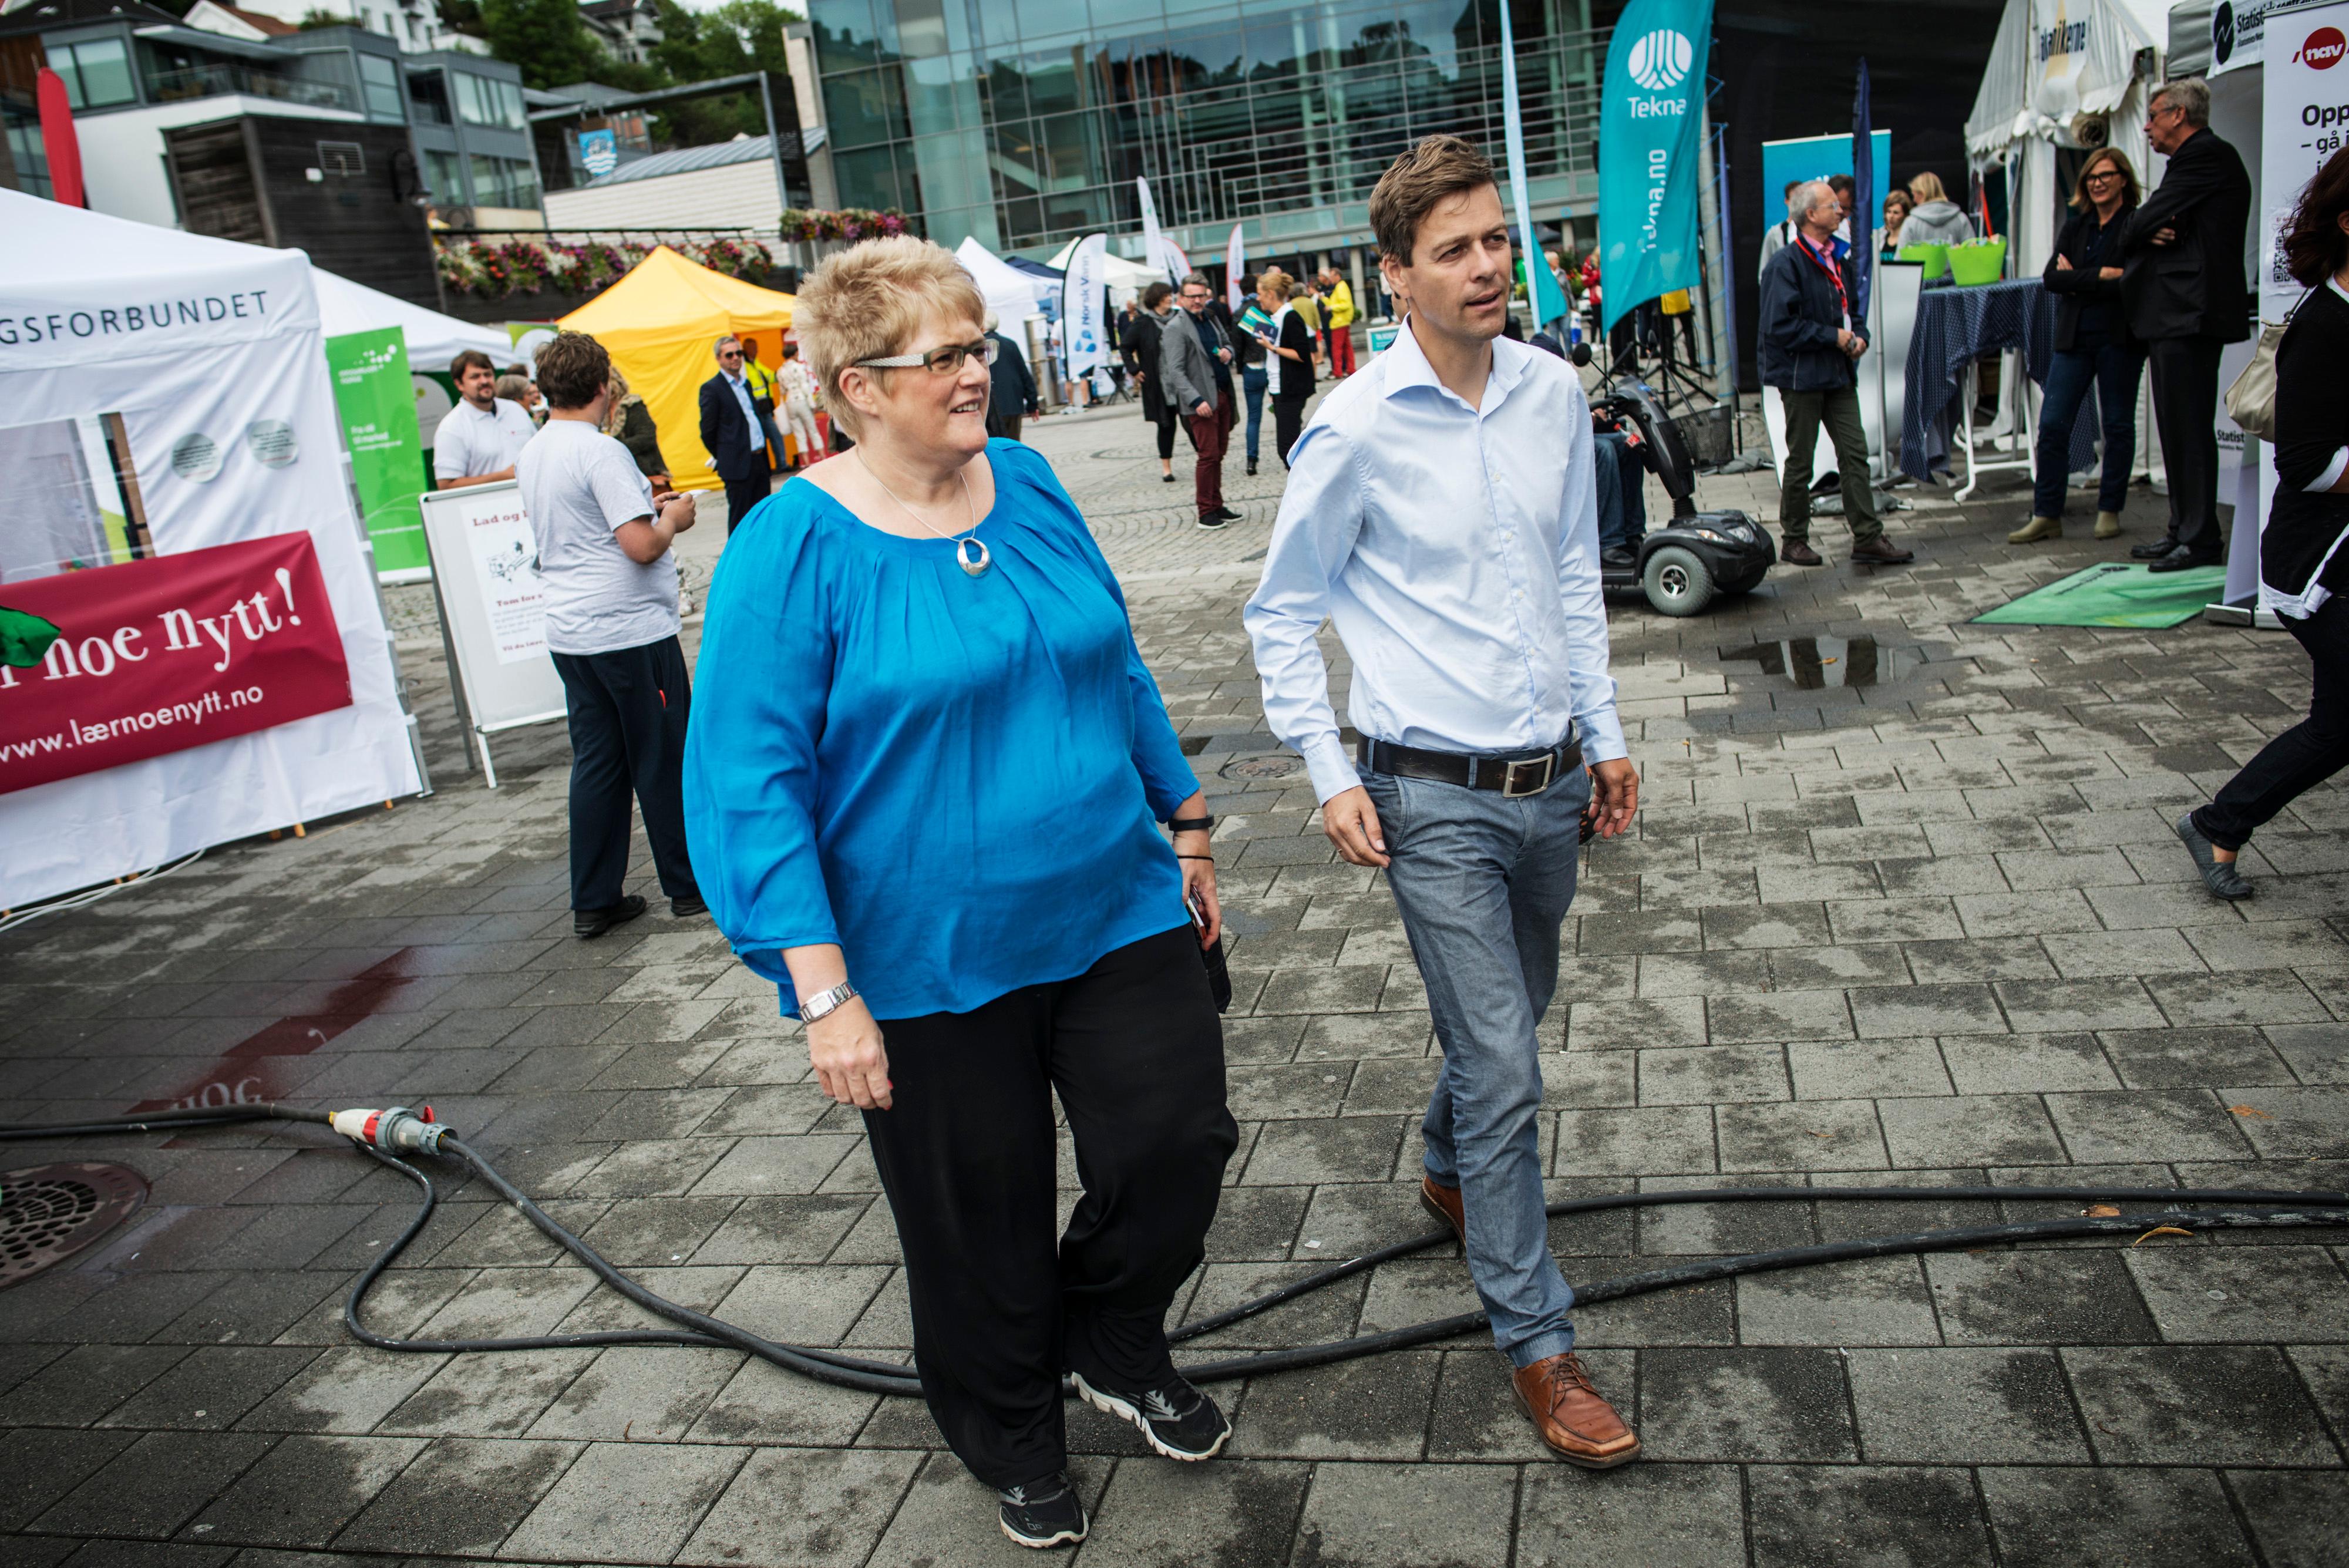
pixel 49 1213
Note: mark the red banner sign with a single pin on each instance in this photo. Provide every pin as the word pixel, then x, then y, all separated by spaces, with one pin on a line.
pixel 160 655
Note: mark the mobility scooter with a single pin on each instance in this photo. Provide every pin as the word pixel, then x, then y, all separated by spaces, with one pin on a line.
pixel 1696 557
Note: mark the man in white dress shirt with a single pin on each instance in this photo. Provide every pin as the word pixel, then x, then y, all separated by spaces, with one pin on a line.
pixel 1440 510
pixel 479 439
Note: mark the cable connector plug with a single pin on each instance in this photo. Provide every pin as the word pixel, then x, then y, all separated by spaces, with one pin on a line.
pixel 396 1129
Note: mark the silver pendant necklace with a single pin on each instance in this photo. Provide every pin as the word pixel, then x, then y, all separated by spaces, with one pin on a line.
pixel 973 565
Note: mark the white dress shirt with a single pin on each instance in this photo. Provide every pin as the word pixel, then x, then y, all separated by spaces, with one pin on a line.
pixel 742 385
pixel 1456 549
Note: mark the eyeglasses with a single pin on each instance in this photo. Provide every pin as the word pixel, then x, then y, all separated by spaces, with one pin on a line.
pixel 2165 108
pixel 2101 175
pixel 729 353
pixel 943 361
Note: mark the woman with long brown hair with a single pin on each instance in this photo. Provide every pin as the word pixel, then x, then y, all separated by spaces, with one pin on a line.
pixel 2304 550
pixel 2093 349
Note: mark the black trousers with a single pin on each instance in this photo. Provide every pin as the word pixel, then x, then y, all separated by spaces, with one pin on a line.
pixel 2186 411
pixel 1135 1051
pixel 628 711
pixel 1165 423
pixel 1288 419
pixel 2302 757
pixel 741 494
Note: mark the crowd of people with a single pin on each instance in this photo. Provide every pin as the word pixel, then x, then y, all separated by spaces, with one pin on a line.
pixel 2140 278
pixel 930 788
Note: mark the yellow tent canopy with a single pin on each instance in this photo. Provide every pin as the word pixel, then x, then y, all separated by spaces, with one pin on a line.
pixel 661 324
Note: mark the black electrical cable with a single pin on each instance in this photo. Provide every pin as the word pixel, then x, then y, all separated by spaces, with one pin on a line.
pixel 2268 1209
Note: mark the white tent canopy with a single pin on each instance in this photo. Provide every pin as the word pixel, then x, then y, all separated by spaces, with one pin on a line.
pixel 1014 296
pixel 209 353
pixel 2096 52
pixel 1125 278
pixel 433 340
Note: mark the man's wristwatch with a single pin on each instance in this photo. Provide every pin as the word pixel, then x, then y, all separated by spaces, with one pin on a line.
pixel 825 1001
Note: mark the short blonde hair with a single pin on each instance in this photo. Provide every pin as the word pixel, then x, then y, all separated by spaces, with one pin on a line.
pixel 868 301
pixel 1927 187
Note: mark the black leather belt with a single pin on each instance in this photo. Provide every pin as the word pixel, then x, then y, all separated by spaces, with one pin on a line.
pixel 1516 775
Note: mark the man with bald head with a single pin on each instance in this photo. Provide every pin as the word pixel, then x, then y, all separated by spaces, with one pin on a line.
pixel 1810 341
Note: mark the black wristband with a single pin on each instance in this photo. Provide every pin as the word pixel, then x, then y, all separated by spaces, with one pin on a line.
pixel 1190 824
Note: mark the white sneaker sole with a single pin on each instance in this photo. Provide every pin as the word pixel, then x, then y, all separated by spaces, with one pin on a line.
pixel 1111 1405
pixel 1059 1537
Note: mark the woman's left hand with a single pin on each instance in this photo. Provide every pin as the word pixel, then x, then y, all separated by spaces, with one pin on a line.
pixel 1199 885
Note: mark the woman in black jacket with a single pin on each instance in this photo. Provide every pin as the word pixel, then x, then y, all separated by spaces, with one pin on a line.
pixel 1288 360
pixel 1140 346
pixel 2093 348
pixel 2304 551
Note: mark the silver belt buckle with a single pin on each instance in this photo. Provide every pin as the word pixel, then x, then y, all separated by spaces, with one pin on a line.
pixel 1509 776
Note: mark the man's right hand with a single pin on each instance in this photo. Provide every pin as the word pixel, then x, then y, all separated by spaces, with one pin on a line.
pixel 677 512
pixel 1353 824
pixel 1205 409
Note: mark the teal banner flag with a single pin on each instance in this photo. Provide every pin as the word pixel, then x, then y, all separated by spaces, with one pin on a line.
pixel 1543 290
pixel 1649 123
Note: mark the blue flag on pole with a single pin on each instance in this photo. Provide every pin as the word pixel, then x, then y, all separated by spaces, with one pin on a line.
pixel 1863 198
pixel 1649 122
pixel 1542 287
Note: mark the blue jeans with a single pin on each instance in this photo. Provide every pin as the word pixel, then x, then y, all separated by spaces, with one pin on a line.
pixel 1622 506
pixel 2112 369
pixel 1483 881
pixel 1253 381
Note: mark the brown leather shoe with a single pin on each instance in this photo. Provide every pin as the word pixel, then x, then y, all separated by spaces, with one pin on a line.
pixel 1881 551
pixel 1570 1416
pixel 1795 552
pixel 1443 1203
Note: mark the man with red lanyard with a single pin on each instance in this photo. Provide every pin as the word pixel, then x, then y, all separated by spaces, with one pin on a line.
pixel 1809 342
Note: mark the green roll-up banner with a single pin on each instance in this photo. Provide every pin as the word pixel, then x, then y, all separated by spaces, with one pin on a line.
pixel 377 402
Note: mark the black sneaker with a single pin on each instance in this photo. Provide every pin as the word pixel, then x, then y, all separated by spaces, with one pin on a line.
pixel 590 923
pixel 688 909
pixel 1214 520
pixel 1177 1420
pixel 1046 1512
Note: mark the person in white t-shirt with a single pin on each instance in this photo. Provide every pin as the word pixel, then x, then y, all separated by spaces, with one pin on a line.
pixel 611 624
pixel 478 439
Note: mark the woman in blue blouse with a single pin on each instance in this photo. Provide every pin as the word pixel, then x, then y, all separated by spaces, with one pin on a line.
pixel 925 770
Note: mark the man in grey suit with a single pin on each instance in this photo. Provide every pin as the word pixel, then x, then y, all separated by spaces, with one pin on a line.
pixel 1193 357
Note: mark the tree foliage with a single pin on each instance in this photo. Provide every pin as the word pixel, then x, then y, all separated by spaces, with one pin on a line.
pixel 545 39
pixel 727 40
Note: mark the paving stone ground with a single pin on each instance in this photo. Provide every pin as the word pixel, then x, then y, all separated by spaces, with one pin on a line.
pixel 1930 930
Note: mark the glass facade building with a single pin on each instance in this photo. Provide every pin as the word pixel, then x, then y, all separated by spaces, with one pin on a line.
pixel 1025 122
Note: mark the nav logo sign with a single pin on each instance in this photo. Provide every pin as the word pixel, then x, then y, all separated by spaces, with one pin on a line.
pixel 1660 60
pixel 2324 49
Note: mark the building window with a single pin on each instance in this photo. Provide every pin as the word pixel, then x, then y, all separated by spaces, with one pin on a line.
pixel 504 181
pixel 97 72
pixel 444 173
pixel 486 100
pixel 427 94
pixel 379 89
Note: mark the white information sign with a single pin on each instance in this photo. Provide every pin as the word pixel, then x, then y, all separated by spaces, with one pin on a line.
pixel 2306 100
pixel 493 608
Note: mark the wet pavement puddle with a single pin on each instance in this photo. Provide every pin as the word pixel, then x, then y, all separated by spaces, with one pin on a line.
pixel 1813 662
pixel 244 1074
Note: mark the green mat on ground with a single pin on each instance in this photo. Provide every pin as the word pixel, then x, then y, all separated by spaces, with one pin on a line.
pixel 2114 594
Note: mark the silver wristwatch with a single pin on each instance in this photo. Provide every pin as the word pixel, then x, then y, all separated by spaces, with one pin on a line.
pixel 824 1001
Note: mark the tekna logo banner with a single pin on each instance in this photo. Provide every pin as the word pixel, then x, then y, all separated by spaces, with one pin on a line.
pixel 1647 129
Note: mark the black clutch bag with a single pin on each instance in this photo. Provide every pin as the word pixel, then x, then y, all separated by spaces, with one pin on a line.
pixel 1219 978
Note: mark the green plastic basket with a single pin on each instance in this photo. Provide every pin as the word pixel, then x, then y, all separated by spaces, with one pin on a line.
pixel 1985 261
pixel 1935 257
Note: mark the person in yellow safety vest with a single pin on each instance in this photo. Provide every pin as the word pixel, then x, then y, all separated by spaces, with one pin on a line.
pixel 761 383
pixel 1340 316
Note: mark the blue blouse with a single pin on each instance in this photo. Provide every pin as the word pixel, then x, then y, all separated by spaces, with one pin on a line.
pixel 957 779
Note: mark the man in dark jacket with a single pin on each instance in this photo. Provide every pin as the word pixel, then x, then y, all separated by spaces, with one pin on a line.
pixel 2184 291
pixel 1808 342
pixel 731 436
pixel 1011 388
